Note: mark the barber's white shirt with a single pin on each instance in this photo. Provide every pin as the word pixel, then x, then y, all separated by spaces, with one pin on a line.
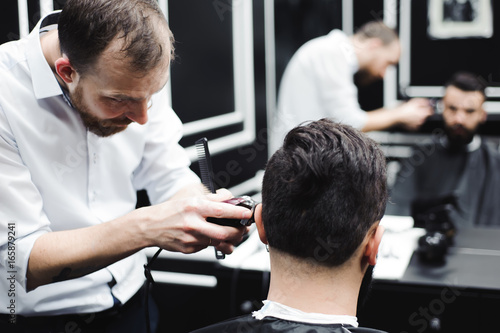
pixel 318 83
pixel 55 175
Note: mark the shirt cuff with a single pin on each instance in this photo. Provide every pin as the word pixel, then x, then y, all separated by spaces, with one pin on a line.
pixel 16 257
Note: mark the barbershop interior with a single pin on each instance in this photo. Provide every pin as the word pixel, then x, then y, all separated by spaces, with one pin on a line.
pixel 416 81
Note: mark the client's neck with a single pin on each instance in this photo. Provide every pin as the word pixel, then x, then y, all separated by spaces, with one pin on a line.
pixel 314 288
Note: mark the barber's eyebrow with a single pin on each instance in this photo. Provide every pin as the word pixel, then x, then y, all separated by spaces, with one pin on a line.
pixel 130 98
pixel 125 97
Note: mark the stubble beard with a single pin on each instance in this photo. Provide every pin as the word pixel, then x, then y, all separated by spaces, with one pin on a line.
pixel 100 127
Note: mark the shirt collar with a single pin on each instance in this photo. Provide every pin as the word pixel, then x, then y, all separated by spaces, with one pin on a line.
pixel 44 81
pixel 347 49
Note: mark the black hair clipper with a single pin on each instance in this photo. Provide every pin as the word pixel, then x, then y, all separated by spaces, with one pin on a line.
pixel 207 176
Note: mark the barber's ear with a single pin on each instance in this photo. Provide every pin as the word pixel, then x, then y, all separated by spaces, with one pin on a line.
pixel 375 43
pixel 259 224
pixel 374 239
pixel 65 70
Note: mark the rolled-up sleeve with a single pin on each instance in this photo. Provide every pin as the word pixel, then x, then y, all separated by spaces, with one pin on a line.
pixel 21 214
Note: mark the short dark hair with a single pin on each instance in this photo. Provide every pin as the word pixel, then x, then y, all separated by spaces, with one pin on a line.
pixel 377 29
pixel 326 185
pixel 467 81
pixel 86 28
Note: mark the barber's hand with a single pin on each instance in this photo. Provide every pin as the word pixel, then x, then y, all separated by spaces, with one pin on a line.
pixel 413 113
pixel 180 225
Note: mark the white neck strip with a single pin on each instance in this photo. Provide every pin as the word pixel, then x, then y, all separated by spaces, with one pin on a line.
pixel 277 310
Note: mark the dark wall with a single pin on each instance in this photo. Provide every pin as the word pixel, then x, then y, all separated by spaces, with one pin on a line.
pixel 9 25
pixel 296 22
pixel 203 79
pixel 434 61
pixel 202 73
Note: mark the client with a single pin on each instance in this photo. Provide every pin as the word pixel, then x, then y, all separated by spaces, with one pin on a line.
pixel 324 192
pixel 457 168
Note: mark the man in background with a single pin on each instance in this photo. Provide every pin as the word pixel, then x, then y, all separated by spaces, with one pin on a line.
pixel 458 167
pixel 323 195
pixel 319 82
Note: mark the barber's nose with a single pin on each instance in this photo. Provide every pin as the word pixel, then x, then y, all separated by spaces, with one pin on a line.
pixel 460 117
pixel 139 113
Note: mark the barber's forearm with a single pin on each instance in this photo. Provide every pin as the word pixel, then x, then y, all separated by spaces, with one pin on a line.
pixel 190 191
pixel 380 119
pixel 175 225
pixel 64 255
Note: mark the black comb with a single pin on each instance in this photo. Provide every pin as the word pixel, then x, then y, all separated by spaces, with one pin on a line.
pixel 207 173
pixel 205 163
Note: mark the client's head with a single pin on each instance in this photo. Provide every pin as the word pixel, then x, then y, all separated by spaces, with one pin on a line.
pixel 463 111
pixel 323 191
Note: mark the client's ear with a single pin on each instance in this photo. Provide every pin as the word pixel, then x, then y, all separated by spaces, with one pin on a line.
pixel 374 238
pixel 259 224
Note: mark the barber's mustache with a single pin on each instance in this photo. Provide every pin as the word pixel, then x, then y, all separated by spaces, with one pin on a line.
pixel 112 122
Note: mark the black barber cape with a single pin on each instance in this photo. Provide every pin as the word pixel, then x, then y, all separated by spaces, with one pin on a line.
pixel 471 176
pixel 249 324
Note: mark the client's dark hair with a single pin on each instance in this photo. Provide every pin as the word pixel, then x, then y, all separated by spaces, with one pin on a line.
pixel 322 191
pixel 466 81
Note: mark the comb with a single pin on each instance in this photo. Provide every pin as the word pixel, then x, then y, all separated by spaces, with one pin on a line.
pixel 205 163
pixel 207 173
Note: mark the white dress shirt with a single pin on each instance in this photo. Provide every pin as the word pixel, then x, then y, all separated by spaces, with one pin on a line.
pixel 318 83
pixel 56 175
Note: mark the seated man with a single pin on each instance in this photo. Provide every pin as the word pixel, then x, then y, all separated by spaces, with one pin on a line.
pixel 456 166
pixel 324 192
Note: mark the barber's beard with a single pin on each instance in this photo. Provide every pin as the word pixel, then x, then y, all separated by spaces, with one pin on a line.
pixel 100 127
pixel 458 136
pixel 364 77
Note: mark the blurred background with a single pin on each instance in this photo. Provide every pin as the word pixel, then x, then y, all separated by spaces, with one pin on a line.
pixel 230 56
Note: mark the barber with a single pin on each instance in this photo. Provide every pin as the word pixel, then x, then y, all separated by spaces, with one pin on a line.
pixel 84 124
pixel 319 82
